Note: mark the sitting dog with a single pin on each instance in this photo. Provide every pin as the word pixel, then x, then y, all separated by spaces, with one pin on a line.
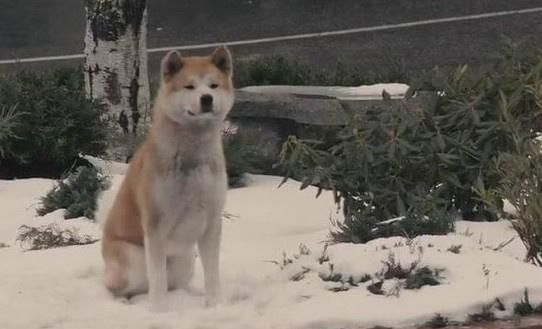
pixel 173 195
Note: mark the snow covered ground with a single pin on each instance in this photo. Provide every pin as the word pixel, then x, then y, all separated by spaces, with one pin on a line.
pixel 61 288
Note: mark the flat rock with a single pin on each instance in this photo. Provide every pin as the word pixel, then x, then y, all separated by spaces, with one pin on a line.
pixel 321 110
pixel 395 90
pixel 316 110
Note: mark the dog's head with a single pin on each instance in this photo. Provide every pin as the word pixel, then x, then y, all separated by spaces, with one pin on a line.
pixel 197 90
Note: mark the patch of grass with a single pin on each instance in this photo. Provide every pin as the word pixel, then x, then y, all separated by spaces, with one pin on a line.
pixel 410 277
pixel 438 321
pixel 525 307
pixel 332 276
pixel 499 305
pixel 348 280
pixel 339 289
pixel 456 249
pixel 424 276
pixel 486 315
pixel 365 278
pixel 284 262
pixel 300 275
pixel 406 277
pixel 77 194
pixel 272 70
pixel 376 288
pixel 50 236
pixel 394 270
pixel 281 70
pixel 229 216
pixel 324 257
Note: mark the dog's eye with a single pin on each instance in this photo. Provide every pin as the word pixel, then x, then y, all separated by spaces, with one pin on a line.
pixel 214 86
pixel 189 87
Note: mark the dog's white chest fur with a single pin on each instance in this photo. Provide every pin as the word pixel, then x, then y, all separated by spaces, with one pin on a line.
pixel 186 202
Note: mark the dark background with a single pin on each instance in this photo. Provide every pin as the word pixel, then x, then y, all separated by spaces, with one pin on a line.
pixel 32 28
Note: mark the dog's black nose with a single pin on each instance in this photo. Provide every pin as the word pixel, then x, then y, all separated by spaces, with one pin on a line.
pixel 206 103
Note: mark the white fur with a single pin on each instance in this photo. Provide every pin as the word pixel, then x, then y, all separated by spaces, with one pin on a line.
pixel 190 200
pixel 187 194
pixel 188 100
pixel 104 203
pixel 191 206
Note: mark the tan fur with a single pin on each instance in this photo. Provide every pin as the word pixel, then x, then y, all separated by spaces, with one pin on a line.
pixel 174 191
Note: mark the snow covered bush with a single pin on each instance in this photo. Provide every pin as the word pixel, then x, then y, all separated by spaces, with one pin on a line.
pixel 77 194
pixel 56 122
pixel 389 276
pixel 411 277
pixel 50 236
pixel 438 321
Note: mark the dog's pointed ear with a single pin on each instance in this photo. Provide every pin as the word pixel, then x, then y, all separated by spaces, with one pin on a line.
pixel 221 58
pixel 172 63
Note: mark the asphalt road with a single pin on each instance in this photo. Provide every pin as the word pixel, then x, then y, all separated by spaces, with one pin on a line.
pixel 32 28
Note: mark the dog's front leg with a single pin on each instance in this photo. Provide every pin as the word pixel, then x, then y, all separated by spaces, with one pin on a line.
pixel 209 248
pixel 155 257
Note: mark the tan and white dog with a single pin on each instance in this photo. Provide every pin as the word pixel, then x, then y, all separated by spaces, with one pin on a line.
pixel 173 195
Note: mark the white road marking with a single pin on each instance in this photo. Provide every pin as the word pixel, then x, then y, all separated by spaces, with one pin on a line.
pixel 385 27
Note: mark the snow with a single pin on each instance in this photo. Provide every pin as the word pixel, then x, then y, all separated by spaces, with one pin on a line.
pixel 396 90
pixel 109 167
pixel 61 288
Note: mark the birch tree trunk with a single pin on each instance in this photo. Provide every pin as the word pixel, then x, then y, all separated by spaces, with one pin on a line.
pixel 116 60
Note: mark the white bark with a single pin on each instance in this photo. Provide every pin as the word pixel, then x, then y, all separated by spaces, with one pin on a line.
pixel 116 60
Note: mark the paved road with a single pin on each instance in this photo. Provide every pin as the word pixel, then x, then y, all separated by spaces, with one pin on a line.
pixel 30 28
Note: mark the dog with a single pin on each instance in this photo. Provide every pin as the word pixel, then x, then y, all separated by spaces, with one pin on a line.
pixel 172 197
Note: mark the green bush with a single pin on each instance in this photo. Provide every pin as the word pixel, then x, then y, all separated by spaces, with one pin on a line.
pixel 9 120
pixel 242 155
pixel 423 165
pixel 520 182
pixel 77 194
pixel 52 122
pixel 382 165
pixel 278 70
pixel 475 118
